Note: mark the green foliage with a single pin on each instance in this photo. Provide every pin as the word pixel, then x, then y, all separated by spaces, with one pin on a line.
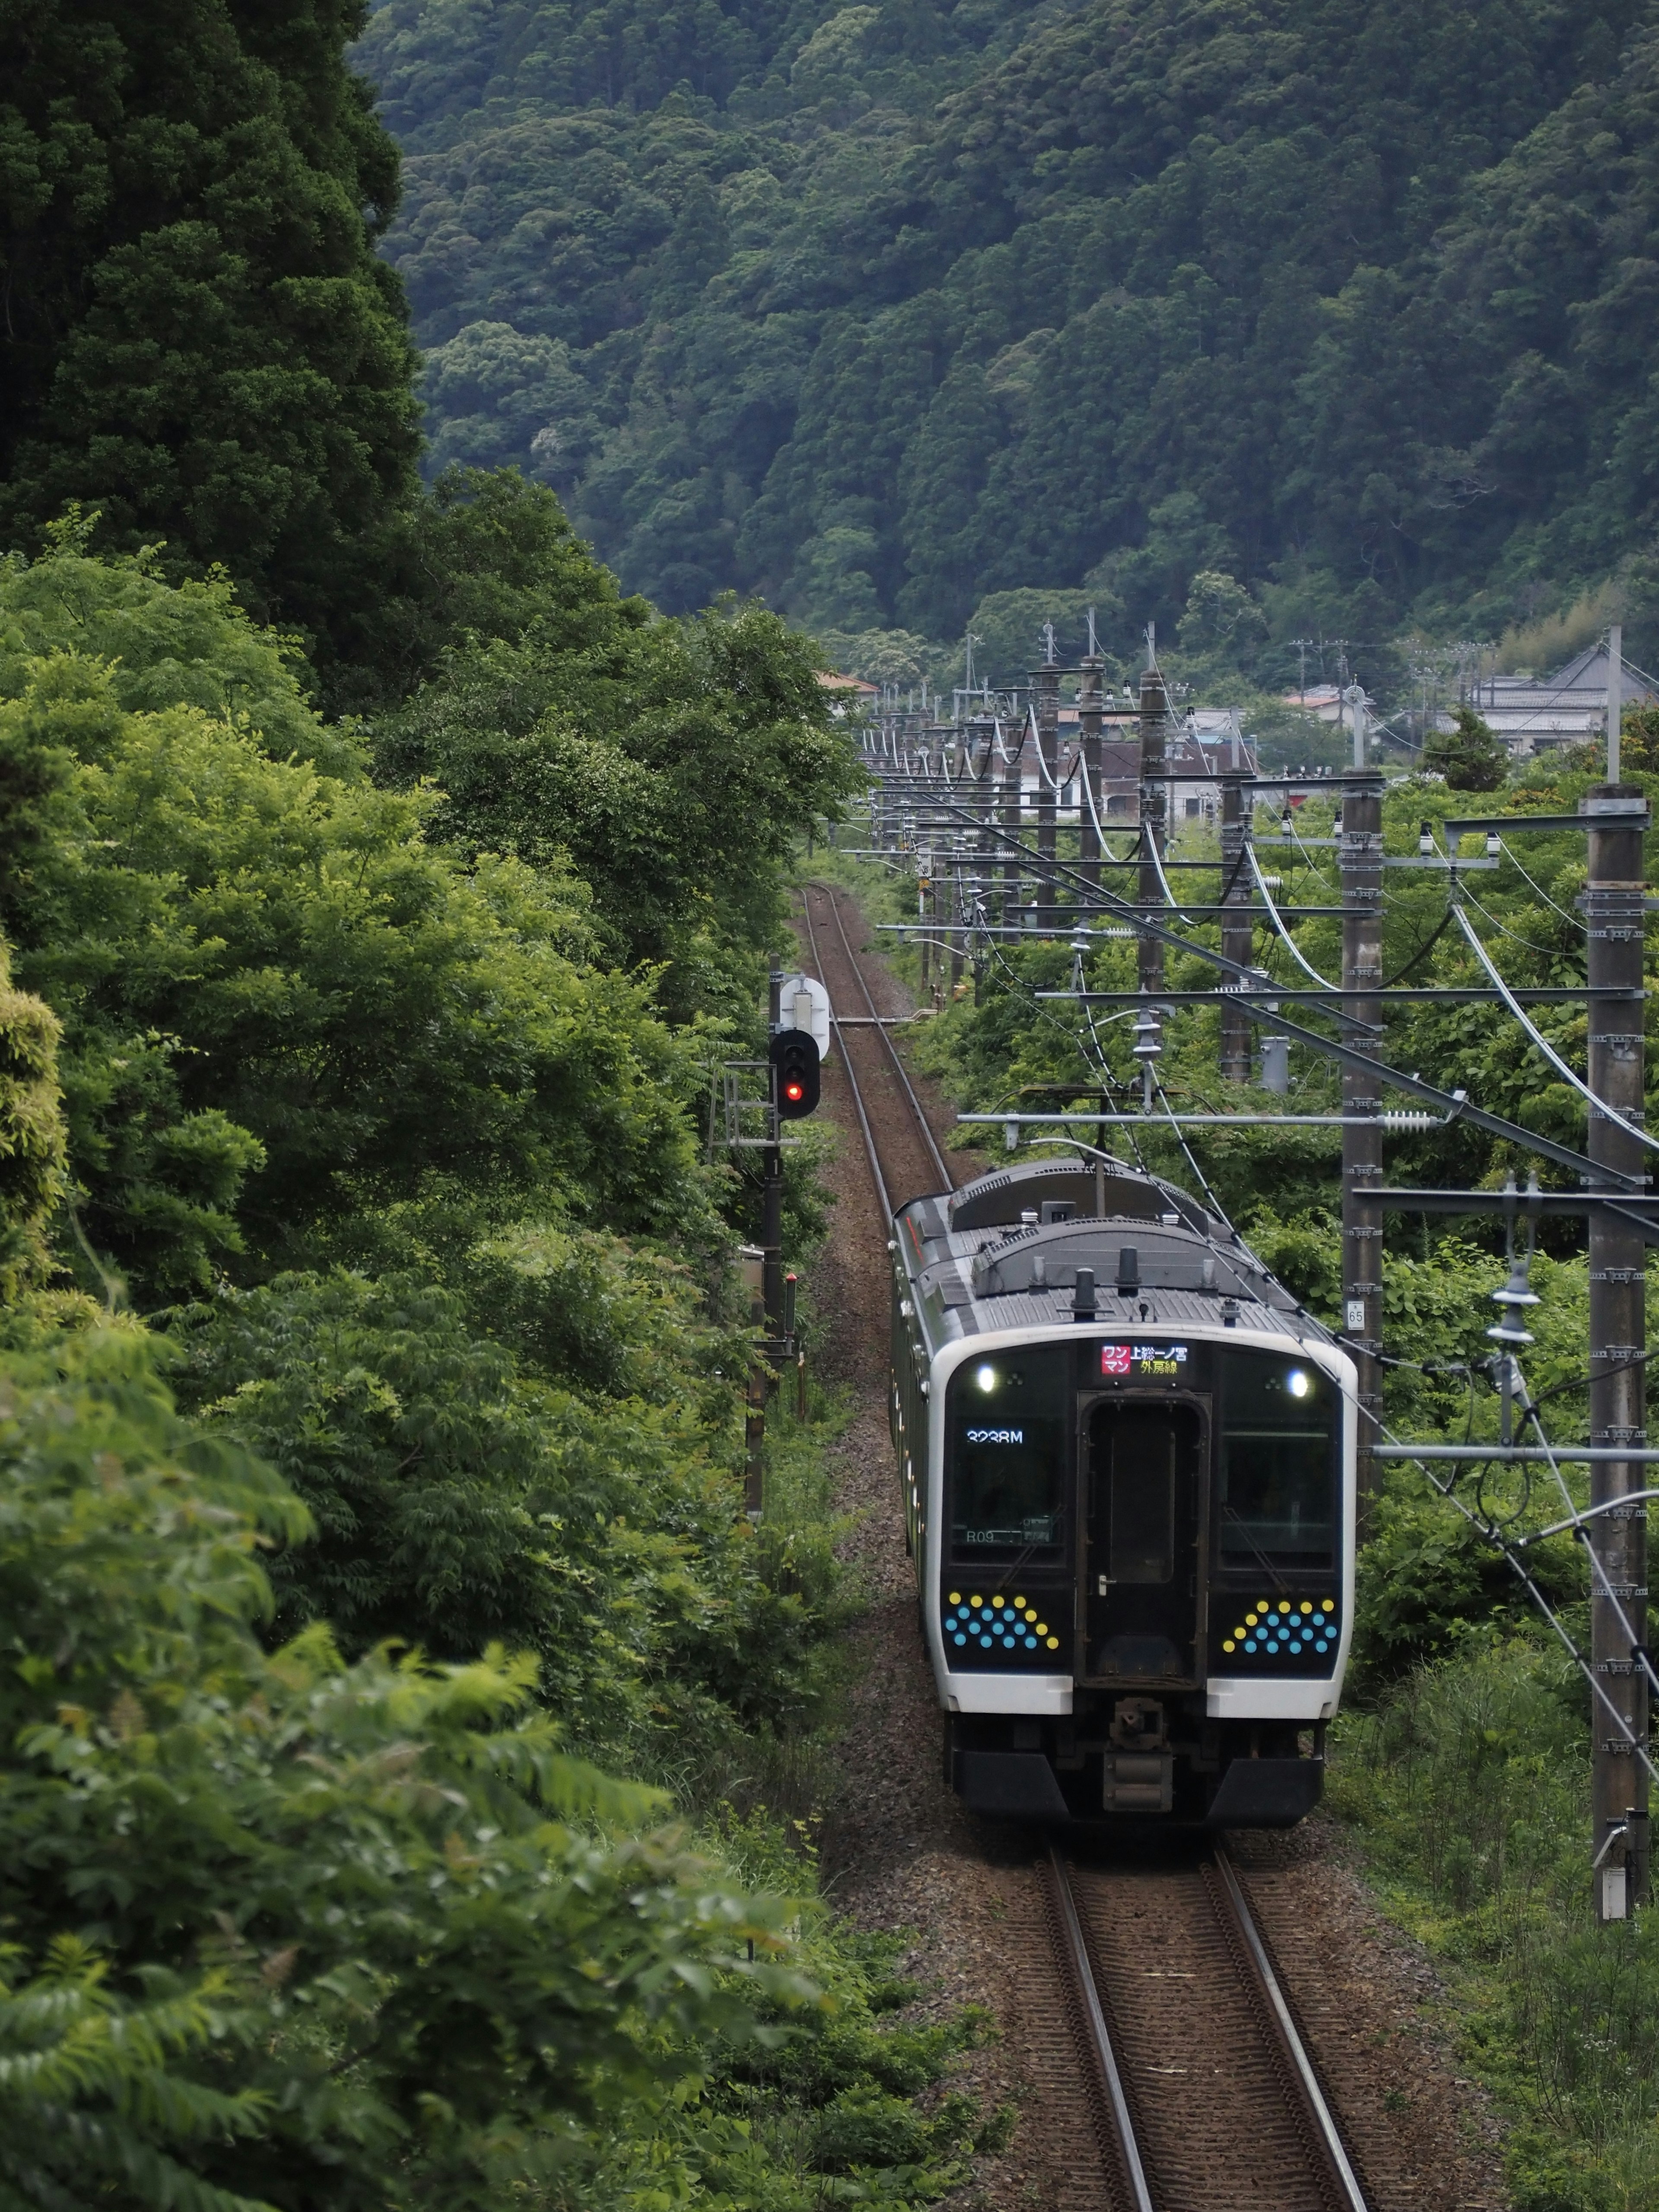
pixel 184 643
pixel 676 766
pixel 457 1496
pixel 279 1000
pixel 486 557
pixel 888 310
pixel 33 1146
pixel 1471 756
pixel 1472 1784
pixel 280 1928
pixel 202 342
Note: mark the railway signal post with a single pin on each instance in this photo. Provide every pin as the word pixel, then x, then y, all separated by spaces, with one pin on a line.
pixel 1618 1392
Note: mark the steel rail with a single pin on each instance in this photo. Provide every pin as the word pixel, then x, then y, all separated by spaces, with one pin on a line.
pixel 1290 2038
pixel 1099 2036
pixel 947 1181
pixel 883 1199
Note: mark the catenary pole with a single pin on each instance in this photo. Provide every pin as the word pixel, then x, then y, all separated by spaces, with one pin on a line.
pixel 1617 1393
pixel 1237 941
pixel 1154 729
pixel 1045 684
pixel 1361 857
pixel 1089 707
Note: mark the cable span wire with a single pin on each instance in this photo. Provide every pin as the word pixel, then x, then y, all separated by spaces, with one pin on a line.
pixel 1543 1044
pixel 1210 1198
pixel 1496 1541
pixel 1549 951
pixel 1638 1650
pixel 1510 854
pixel 1277 919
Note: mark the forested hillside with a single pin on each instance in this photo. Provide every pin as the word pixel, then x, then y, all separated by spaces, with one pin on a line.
pixel 878 310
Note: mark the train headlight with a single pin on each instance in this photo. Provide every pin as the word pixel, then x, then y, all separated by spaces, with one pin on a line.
pixel 1298 1383
pixel 986 1377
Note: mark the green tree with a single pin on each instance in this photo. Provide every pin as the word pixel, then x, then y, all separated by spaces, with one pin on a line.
pixel 33 1146
pixel 281 1931
pixel 281 1005
pixel 675 765
pixel 1471 756
pixel 201 341
pixel 168 642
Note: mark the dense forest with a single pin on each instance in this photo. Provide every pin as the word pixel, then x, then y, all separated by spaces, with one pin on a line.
pixel 407 1741
pixel 882 310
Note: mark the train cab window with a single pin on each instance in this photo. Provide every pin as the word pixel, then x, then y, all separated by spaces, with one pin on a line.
pixel 1006 1445
pixel 1143 1444
pixel 1276 1497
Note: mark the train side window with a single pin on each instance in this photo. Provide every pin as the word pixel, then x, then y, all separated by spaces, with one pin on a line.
pixel 1007 1432
pixel 1276 1481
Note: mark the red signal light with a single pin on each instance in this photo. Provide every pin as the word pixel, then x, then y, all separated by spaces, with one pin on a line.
pixel 794 1058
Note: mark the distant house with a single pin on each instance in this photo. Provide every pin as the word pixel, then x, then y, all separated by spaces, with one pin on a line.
pixel 1206 745
pixel 1325 702
pixel 856 695
pixel 1533 714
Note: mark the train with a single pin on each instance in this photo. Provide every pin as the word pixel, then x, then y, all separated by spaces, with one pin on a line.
pixel 1127 1457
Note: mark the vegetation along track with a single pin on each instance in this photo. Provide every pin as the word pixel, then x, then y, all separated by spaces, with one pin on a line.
pixel 905 1159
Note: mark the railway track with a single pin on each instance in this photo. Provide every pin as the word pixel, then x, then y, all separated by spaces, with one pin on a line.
pixel 1170 2070
pixel 905 1158
pixel 1205 2095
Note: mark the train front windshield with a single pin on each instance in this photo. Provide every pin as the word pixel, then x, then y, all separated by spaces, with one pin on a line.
pixel 1276 1490
pixel 1008 1430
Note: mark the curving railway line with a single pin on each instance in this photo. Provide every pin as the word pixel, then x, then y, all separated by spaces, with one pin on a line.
pixel 1171 2068
pixel 905 1155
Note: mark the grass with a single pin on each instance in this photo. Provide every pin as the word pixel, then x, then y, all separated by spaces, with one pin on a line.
pixel 1468 1788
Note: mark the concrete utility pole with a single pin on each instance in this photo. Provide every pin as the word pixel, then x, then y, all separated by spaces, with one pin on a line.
pixel 1045 684
pixel 1618 1390
pixel 924 896
pixel 1615 697
pixel 1090 706
pixel 1012 793
pixel 1361 859
pixel 1154 727
pixel 957 911
pixel 1237 937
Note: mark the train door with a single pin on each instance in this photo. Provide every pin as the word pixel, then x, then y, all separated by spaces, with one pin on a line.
pixel 1143 1514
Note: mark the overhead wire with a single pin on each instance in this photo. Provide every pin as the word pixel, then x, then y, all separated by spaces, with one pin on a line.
pixel 1277 919
pixel 1550 951
pixel 1514 858
pixel 1497 1539
pixel 1484 1521
pixel 1543 1044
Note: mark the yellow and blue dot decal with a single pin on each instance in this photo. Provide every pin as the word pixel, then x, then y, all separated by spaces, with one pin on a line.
pixel 981 1625
pixel 1283 1628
